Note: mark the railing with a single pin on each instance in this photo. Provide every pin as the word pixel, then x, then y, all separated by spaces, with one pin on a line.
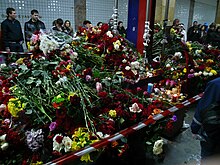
pixel 72 156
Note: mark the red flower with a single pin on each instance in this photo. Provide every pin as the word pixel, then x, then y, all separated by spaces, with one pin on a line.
pixel 102 94
pixel 59 139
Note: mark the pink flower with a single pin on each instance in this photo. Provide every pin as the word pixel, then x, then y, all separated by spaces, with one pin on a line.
pixel 172 83
pixel 98 87
pixel 167 82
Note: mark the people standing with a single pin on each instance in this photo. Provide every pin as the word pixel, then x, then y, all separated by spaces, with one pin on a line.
pixel 59 25
pixel 32 26
pixel 11 32
pixel 205 125
pixel 194 33
pixel 121 29
pixel 68 28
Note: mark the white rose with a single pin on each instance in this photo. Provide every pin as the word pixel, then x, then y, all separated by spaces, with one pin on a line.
pixel 67 143
pixel 135 108
pixel 205 73
pixel 167 65
pixel 124 61
pixel 210 74
pixel 127 68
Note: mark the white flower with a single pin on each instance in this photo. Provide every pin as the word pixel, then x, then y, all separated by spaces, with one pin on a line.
pixel 167 65
pixel 127 68
pixel 3 65
pixel 124 61
pixel 57 146
pixel 109 34
pixel 196 74
pixel 4 146
pixel 158 147
pixel 178 54
pixel 67 142
pixel 210 74
pixel 172 69
pixel 2 107
pixel 2 138
pixel 135 65
pixel 134 108
pixel 200 73
pixel 205 73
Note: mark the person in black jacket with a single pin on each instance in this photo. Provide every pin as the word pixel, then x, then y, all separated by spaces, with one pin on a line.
pixel 121 29
pixel 205 125
pixel 32 26
pixel 11 32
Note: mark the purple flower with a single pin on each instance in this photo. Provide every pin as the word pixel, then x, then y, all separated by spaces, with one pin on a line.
pixel 52 126
pixel 190 75
pixel 174 118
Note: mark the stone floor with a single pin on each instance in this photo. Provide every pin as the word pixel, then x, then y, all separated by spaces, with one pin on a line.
pixel 183 149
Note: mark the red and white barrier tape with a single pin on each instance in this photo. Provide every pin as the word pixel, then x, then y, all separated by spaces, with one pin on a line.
pixel 72 156
pixel 20 53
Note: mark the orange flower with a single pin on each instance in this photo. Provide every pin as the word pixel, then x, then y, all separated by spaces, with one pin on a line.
pixel 156 111
pixel 114 144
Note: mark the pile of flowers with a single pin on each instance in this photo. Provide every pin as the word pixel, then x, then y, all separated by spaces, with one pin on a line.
pixel 68 94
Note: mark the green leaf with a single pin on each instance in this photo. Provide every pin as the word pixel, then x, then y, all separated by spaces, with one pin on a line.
pixel 124 140
pixel 23 67
pixel 36 72
pixel 28 111
pixel 30 80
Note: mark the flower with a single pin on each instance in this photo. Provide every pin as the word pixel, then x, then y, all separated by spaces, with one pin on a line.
pixel 52 126
pixel 67 142
pixel 158 147
pixel 15 106
pixel 112 113
pixel 34 139
pixel 135 108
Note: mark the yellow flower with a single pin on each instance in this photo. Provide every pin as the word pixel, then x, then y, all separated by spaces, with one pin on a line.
pixel 14 106
pixel 38 163
pixel 200 51
pixel 71 94
pixel 86 158
pixel 209 61
pixel 20 61
pixel 112 113
pixel 213 72
pixel 184 70
pixel 188 44
pixel 190 49
pixel 68 67
pixel 208 69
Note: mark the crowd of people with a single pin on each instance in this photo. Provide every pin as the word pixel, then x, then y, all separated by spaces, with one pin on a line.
pixel 12 35
pixel 202 33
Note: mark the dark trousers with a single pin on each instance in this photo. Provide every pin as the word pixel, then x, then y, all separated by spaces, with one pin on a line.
pixel 209 149
pixel 16 47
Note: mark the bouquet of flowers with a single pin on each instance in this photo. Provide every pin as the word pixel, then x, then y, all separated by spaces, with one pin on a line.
pixel 67 95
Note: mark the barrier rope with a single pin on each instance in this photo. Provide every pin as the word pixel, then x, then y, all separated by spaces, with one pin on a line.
pixel 19 53
pixel 72 156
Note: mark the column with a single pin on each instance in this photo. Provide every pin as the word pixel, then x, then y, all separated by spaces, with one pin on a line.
pixel 217 17
pixel 160 11
pixel 79 12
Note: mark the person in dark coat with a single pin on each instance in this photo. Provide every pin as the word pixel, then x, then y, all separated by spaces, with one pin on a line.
pixel 32 26
pixel 121 29
pixel 206 121
pixel 12 35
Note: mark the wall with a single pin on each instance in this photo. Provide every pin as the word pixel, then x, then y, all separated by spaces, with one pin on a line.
pixel 49 10
pixel 204 11
pixel 102 10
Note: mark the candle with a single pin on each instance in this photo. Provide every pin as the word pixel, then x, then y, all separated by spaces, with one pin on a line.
pixel 174 98
pixel 150 87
